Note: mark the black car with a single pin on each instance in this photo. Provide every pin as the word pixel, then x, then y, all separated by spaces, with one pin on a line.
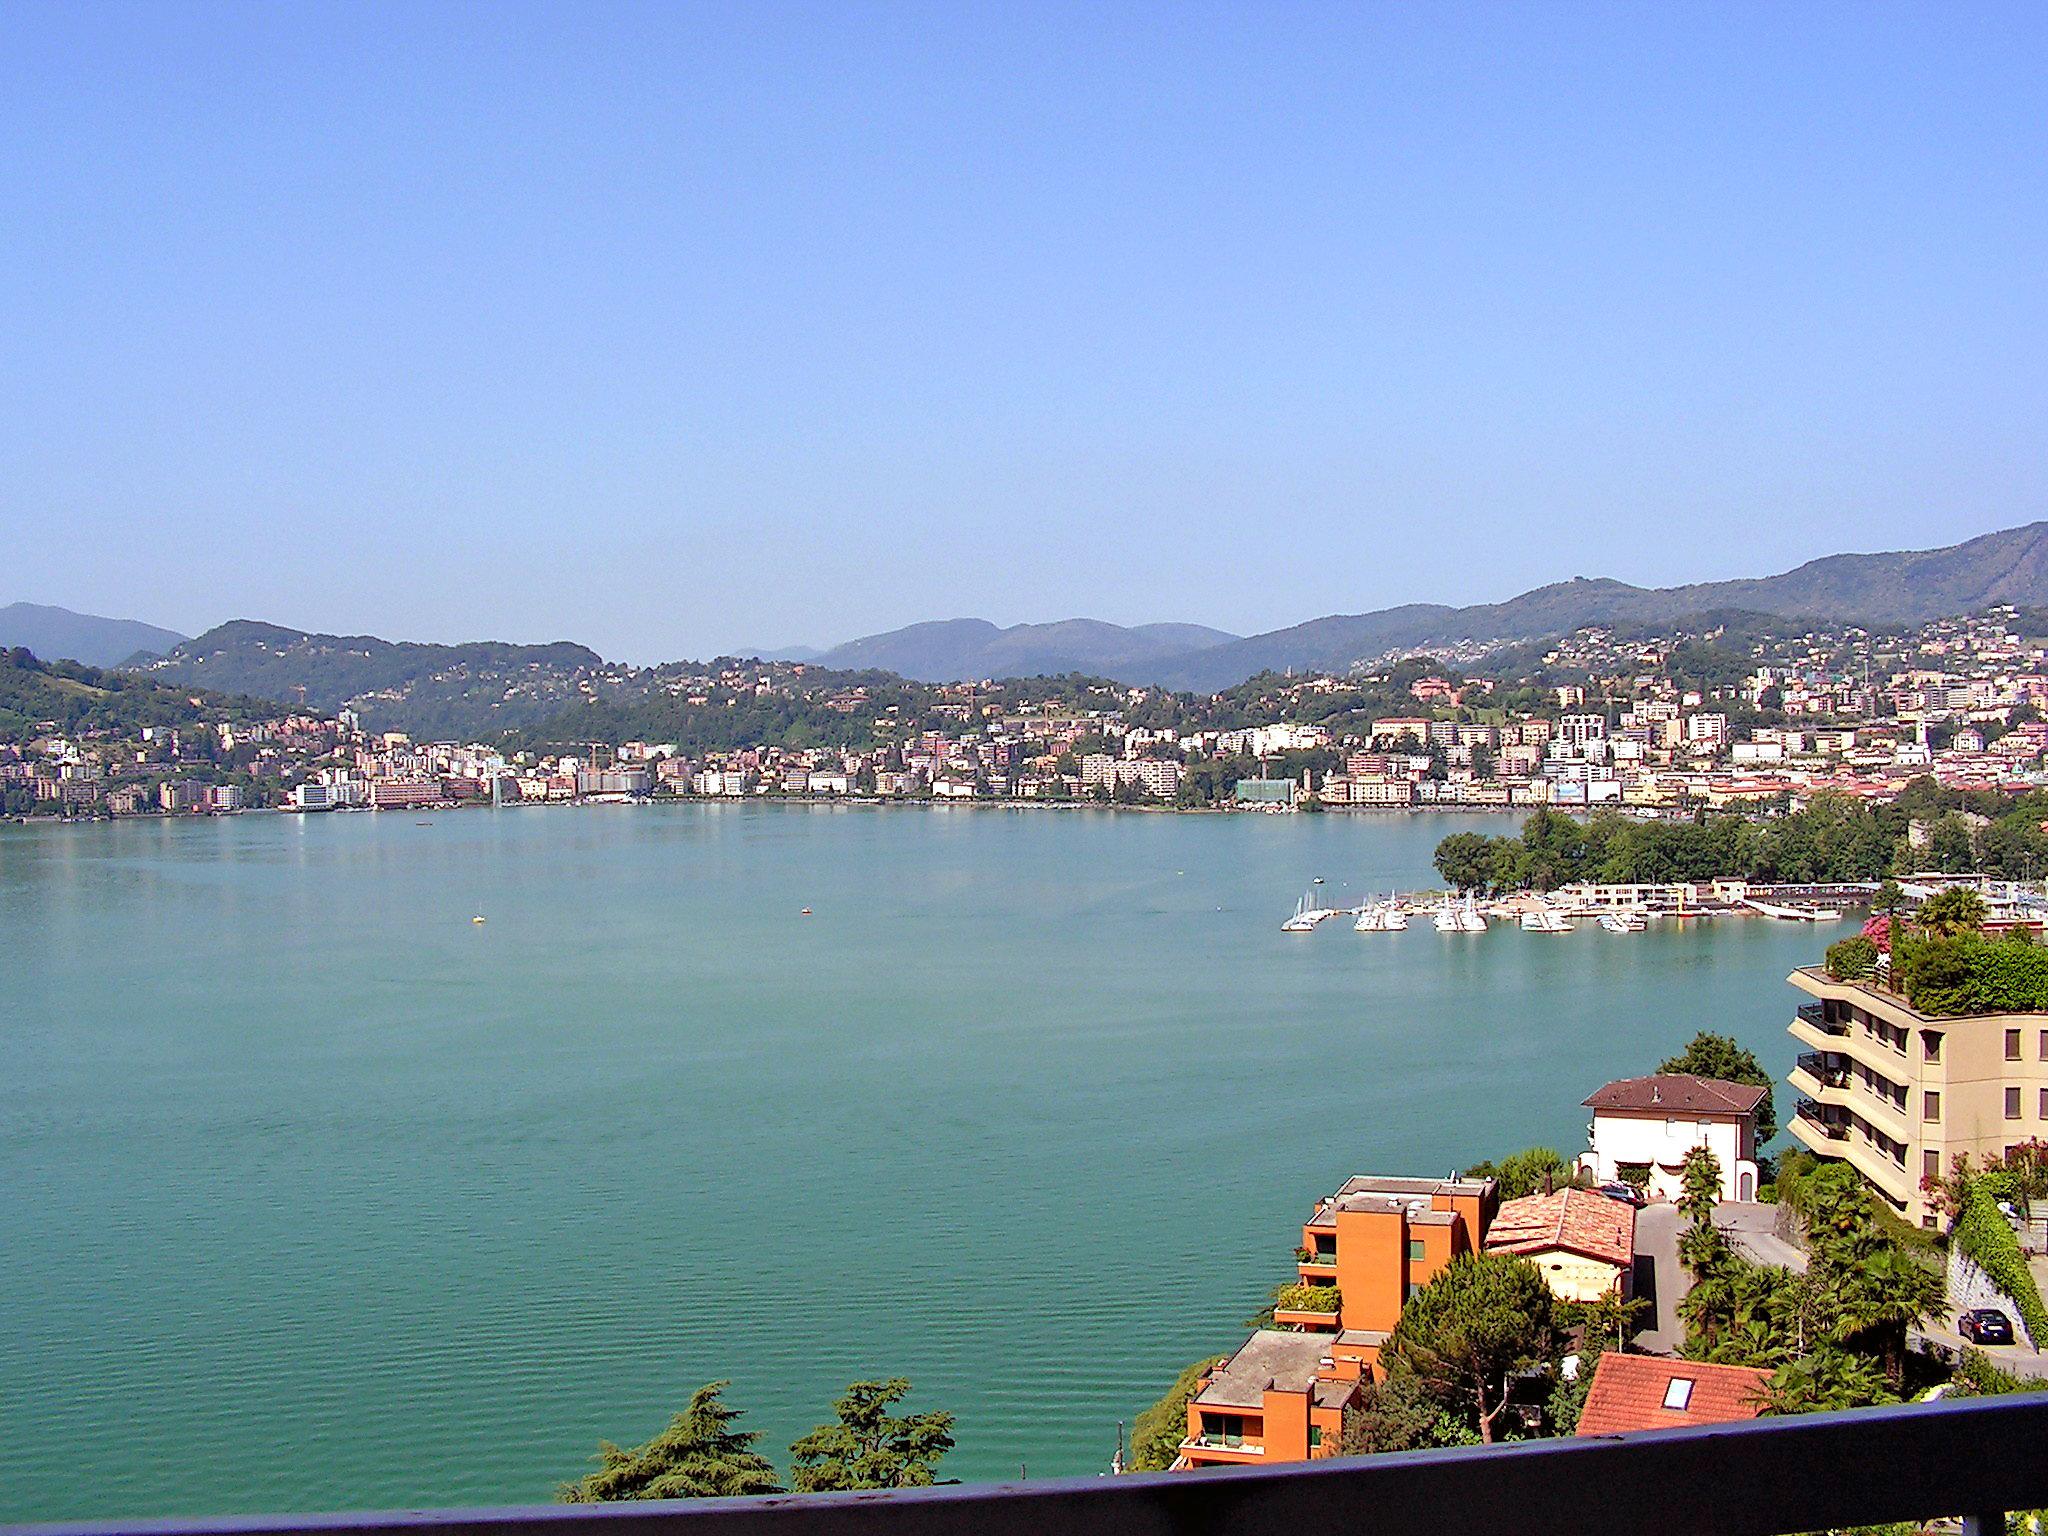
pixel 1627 1194
pixel 1985 1325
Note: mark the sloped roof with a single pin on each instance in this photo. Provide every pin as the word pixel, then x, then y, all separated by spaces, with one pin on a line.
pixel 1629 1393
pixel 1680 1093
pixel 1576 1220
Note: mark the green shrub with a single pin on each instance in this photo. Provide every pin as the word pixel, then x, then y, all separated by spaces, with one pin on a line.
pixel 1851 959
pixel 1971 974
pixel 1987 1240
pixel 1307 1298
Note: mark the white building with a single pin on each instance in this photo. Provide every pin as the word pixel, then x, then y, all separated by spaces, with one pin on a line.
pixel 1643 1127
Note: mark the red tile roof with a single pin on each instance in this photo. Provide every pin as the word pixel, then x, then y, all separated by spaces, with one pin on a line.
pixel 1679 1092
pixel 1577 1220
pixel 1629 1393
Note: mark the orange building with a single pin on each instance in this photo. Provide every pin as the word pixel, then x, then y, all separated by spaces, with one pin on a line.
pixel 1364 1251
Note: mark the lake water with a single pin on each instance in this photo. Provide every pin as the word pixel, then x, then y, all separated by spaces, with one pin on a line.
pixel 314 1194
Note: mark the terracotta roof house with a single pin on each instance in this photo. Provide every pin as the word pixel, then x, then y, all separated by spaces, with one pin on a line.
pixel 1643 1127
pixel 1637 1392
pixel 1583 1242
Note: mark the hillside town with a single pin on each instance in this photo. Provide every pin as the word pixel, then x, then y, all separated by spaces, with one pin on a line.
pixel 1661 726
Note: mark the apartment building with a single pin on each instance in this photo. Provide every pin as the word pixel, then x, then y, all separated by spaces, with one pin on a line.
pixel 1897 1094
pixel 1282 1395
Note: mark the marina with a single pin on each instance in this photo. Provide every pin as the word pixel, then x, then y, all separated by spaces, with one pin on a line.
pixel 1618 909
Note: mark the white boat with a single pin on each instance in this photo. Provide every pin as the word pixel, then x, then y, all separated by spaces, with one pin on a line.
pixel 1446 918
pixel 1546 920
pixel 1623 922
pixel 1469 919
pixel 1306 915
pixel 1397 917
pixel 1372 918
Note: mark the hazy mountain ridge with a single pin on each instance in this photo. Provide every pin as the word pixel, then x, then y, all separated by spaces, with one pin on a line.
pixel 1901 587
pixel 477 688
pixel 948 650
pixel 97 641
pixel 487 687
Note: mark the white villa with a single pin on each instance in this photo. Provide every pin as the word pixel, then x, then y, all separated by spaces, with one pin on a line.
pixel 1644 1126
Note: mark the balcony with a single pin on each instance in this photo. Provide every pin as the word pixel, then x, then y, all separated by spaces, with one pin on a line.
pixel 1815 1118
pixel 1816 1015
pixel 1308 1258
pixel 1816 1066
pixel 1973 1457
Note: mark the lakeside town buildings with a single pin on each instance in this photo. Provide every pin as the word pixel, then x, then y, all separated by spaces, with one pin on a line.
pixel 1968 710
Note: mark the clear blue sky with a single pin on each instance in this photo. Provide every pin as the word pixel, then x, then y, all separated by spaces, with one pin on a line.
pixel 674 327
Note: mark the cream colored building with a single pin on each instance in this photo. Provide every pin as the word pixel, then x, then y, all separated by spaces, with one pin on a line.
pixel 1897 1094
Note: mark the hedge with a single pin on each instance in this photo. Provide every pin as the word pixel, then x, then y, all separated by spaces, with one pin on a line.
pixel 1971 974
pixel 1851 959
pixel 1987 1240
pixel 1307 1298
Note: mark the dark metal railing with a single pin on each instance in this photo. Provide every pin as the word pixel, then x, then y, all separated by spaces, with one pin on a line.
pixel 1816 1014
pixel 1973 1458
pixel 1816 1066
pixel 1814 1115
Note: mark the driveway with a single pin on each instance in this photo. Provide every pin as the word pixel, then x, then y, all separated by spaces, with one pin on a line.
pixel 1660 1278
pixel 1943 1340
pixel 1753 1231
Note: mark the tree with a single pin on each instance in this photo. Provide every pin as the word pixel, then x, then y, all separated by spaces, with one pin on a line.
pixel 1951 912
pixel 1890 899
pixel 1699 1184
pixel 1156 1434
pixel 1717 1056
pixel 1538 1170
pixel 1462 860
pixel 699 1456
pixel 1465 1335
pixel 869 1447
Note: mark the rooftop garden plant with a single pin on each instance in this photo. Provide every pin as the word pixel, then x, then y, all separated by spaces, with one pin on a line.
pixel 1307 1298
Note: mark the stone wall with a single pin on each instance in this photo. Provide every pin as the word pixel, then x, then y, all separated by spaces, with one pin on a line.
pixel 1969 1286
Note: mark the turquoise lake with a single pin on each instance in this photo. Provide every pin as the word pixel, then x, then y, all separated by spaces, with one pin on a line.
pixel 315 1194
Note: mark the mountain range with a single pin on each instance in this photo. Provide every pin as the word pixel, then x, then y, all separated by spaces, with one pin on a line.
pixel 487 685
pixel 953 650
pixel 85 637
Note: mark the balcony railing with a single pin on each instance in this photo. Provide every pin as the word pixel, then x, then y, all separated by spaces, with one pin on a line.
pixel 1815 1066
pixel 1813 1115
pixel 1816 1014
pixel 1975 1458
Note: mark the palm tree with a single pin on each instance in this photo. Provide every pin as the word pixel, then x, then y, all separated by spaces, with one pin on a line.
pixel 1951 912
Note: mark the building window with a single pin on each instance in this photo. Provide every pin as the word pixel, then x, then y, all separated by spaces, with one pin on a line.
pixel 1417 1251
pixel 1930 1164
pixel 2044 1045
pixel 1678 1393
pixel 2012 1103
pixel 1930 1106
pixel 1315 1436
pixel 2012 1045
pixel 2044 1103
pixel 1930 1044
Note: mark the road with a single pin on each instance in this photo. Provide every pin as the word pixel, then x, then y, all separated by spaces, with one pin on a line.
pixel 1659 1277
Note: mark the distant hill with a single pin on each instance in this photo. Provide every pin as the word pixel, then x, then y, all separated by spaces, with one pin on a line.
pixel 1910 587
pixel 434 691
pixel 72 697
pixel 98 642
pixel 776 652
pixel 949 650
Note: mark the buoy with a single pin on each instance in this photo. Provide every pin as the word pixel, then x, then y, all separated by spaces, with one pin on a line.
pixel 805 913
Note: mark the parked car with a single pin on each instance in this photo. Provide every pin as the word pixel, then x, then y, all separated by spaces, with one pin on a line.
pixel 1985 1325
pixel 1627 1194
